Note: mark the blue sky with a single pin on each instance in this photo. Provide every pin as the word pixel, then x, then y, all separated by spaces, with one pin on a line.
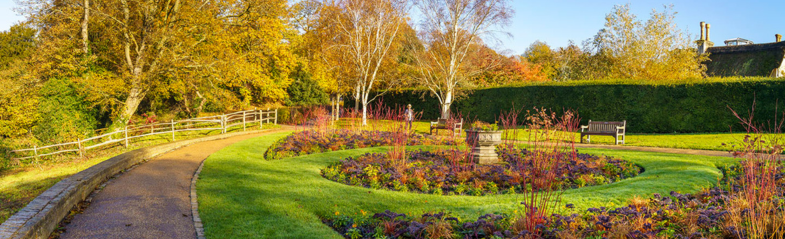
pixel 558 21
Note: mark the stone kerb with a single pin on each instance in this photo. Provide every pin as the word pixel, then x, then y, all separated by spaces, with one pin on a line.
pixel 41 216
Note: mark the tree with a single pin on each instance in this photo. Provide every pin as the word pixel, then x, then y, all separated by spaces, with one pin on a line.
pixel 18 95
pixel 541 53
pixel 369 29
pixel 655 50
pixel 16 44
pixel 320 51
pixel 451 32
pixel 505 70
pixel 304 91
pixel 257 53
pixel 231 53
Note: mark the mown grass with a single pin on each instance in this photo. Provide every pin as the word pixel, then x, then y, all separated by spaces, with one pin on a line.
pixel 708 141
pixel 705 141
pixel 241 195
pixel 19 186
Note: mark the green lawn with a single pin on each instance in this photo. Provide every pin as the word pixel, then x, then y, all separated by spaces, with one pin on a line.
pixel 241 195
pixel 705 141
pixel 713 141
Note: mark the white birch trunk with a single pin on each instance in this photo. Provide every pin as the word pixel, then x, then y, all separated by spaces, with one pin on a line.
pixel 85 46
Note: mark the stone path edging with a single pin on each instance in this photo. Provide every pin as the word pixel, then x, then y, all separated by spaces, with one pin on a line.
pixel 195 204
pixel 42 215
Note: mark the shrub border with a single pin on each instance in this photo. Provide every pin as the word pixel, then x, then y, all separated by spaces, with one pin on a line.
pixel 42 215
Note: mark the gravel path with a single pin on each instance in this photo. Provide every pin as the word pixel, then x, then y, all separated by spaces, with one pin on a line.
pixel 150 201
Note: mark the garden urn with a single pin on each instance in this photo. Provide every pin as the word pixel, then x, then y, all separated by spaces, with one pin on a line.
pixel 483 143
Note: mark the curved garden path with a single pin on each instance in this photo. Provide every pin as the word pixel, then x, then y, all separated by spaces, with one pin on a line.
pixel 152 200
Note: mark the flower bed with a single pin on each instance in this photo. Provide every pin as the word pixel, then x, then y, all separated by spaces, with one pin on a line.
pixel 312 141
pixel 714 213
pixel 449 172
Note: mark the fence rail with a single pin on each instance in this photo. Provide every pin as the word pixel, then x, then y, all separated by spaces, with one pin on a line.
pixel 217 122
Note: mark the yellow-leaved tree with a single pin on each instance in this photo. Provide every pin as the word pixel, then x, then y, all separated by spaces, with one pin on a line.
pixel 655 49
pixel 233 53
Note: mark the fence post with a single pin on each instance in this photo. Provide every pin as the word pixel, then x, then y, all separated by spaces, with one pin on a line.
pixel 126 136
pixel 173 130
pixel 276 117
pixel 223 124
pixel 35 152
pixel 260 119
pixel 267 116
pixel 79 145
pixel 244 120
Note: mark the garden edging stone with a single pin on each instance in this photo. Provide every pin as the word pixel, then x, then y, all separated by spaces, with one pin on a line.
pixel 42 215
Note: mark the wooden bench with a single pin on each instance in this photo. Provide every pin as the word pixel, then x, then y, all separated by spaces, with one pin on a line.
pixel 609 128
pixel 455 125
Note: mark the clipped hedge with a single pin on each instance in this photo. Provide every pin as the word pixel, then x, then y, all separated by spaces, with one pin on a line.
pixel 648 108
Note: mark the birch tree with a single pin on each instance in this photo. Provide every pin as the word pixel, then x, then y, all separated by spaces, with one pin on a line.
pixel 452 32
pixel 369 29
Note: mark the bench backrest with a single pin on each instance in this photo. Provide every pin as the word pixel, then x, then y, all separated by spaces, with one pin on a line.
pixel 457 122
pixel 605 126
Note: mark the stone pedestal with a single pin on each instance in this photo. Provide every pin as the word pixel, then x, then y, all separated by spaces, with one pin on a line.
pixel 483 145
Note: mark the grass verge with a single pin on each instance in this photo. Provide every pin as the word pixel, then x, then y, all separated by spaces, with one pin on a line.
pixel 241 195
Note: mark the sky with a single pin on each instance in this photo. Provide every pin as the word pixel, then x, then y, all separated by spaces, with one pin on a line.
pixel 556 22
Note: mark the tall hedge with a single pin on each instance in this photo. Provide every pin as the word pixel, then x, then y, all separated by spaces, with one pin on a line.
pixel 648 108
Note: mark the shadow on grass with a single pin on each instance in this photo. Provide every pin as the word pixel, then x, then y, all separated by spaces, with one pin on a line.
pixel 242 195
pixel 13 201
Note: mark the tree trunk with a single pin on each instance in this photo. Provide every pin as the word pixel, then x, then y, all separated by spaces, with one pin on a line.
pixel 85 46
pixel 135 97
pixel 357 98
pixel 445 105
pixel 338 108
pixel 365 113
pixel 365 107
pixel 336 105
pixel 333 99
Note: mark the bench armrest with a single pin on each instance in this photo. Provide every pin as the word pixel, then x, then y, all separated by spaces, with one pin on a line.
pixel 621 129
pixel 584 127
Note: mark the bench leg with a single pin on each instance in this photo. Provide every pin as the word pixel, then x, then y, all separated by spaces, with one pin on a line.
pixel 588 139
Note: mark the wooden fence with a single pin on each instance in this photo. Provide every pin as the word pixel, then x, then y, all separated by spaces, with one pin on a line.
pixel 217 122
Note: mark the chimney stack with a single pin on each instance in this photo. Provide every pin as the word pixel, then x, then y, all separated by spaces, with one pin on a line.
pixel 777 37
pixel 703 31
pixel 707 31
